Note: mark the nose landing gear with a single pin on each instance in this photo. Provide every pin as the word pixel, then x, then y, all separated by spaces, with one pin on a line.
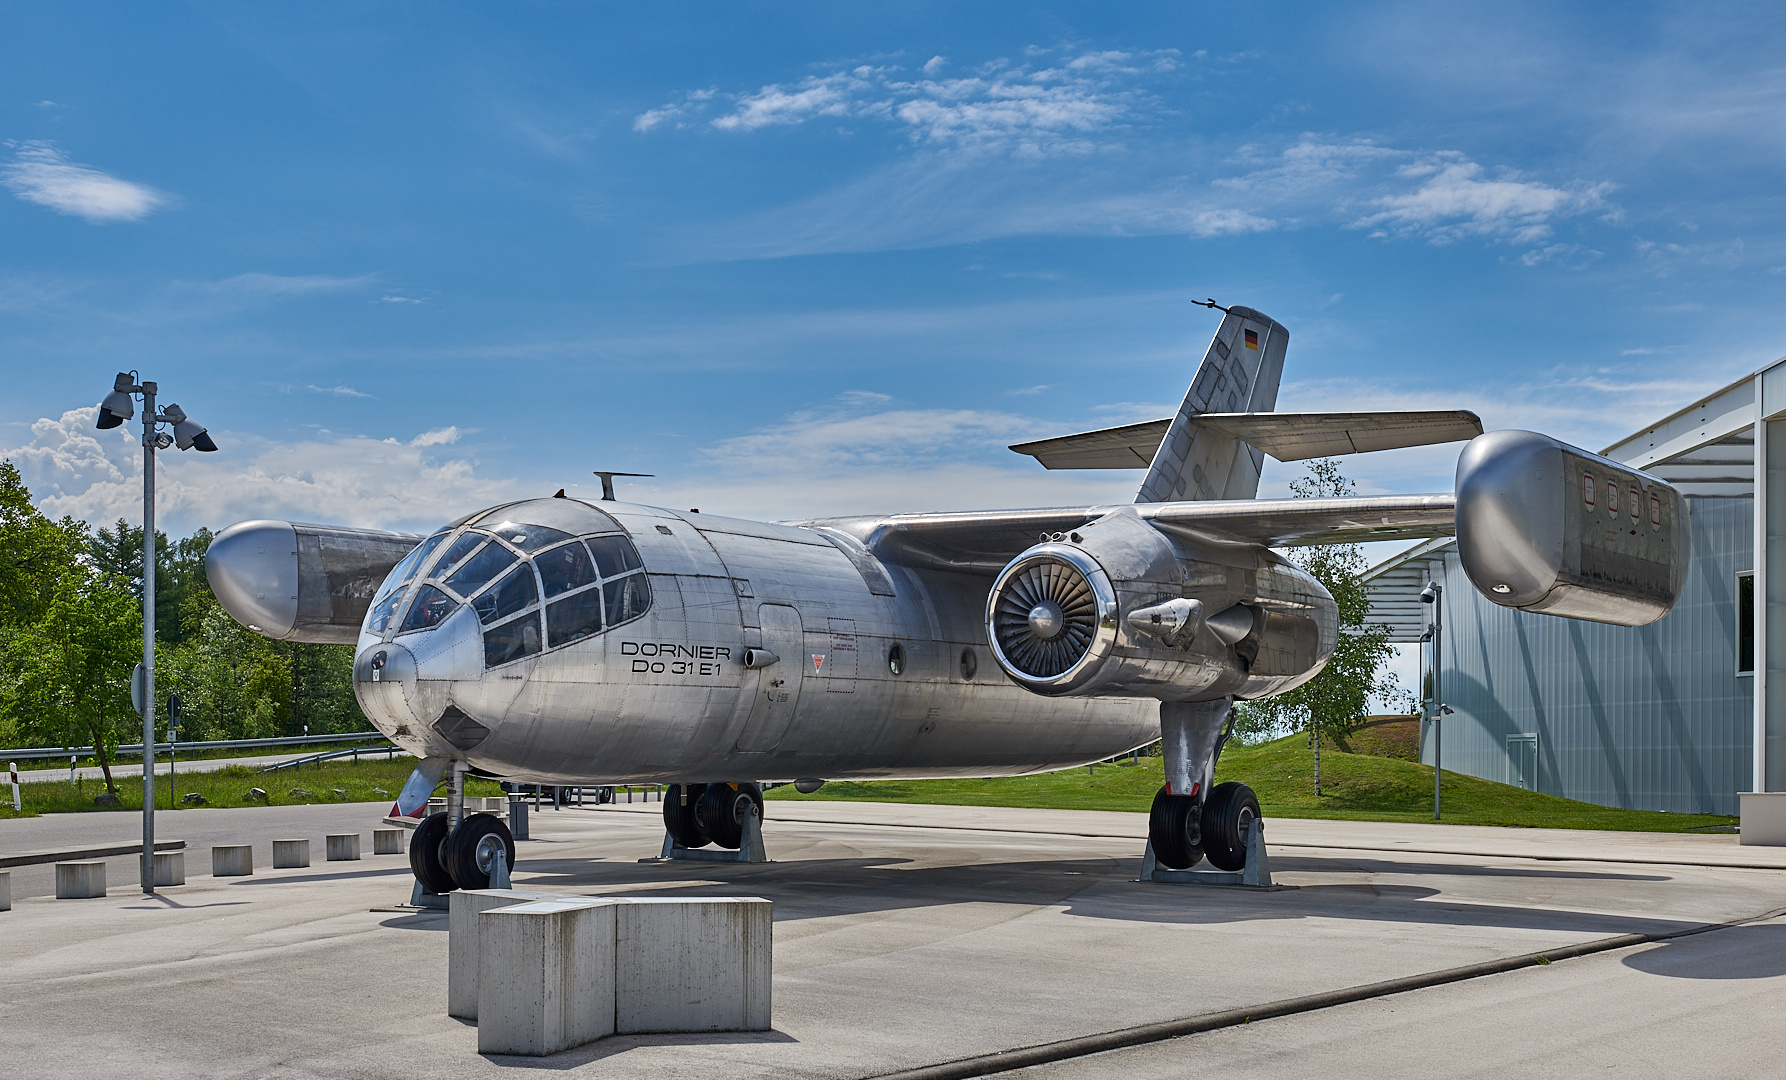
pixel 444 858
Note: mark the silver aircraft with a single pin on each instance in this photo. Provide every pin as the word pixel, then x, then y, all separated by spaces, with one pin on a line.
pixel 559 641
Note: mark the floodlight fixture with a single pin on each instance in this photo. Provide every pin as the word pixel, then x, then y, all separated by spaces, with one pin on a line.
pixel 1430 594
pixel 118 406
pixel 188 435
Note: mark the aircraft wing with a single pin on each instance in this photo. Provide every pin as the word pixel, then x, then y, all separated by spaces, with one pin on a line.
pixel 983 541
pixel 1285 436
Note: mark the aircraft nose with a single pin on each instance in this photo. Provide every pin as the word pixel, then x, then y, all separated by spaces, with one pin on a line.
pixel 382 663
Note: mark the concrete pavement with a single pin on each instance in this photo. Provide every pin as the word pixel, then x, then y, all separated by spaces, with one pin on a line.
pixel 907 936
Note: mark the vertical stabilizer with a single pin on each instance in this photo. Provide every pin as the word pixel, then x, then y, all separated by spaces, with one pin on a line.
pixel 1239 373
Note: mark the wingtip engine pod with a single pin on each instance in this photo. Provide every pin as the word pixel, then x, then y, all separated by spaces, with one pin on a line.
pixel 1546 527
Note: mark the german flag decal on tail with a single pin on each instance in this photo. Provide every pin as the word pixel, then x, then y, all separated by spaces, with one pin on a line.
pixel 1252 340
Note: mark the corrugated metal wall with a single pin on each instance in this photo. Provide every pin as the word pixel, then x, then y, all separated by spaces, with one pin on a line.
pixel 1652 717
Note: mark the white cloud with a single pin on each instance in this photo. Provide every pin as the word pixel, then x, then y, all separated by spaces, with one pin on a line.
pixel 1228 223
pixel 338 391
pixel 42 174
pixel 445 436
pixel 1026 109
pixel 1454 199
pixel 282 284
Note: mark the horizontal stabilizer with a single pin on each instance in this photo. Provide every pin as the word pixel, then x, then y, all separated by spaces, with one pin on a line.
pixel 1285 436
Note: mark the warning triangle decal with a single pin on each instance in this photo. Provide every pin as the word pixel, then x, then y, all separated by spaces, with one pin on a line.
pixel 818 661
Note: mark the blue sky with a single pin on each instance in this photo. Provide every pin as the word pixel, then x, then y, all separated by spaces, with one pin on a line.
pixel 409 259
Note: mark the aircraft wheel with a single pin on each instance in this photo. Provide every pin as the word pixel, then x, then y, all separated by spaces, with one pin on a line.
pixel 681 821
pixel 722 809
pixel 1174 829
pixel 470 852
pixel 1230 811
pixel 425 855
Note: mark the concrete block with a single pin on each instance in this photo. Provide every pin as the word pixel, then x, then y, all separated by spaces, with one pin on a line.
pixel 170 868
pixel 288 854
pixel 80 880
pixel 700 964
pixel 5 890
pixel 387 841
pixel 343 847
pixel 234 860
pixel 545 975
pixel 1763 817
pixel 463 908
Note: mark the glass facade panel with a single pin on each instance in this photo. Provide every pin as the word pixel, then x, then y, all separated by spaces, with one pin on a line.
pixel 565 568
pixel 615 555
pixel 478 569
pixel 512 640
pixel 576 616
pixel 431 607
pixel 507 596
pixel 627 598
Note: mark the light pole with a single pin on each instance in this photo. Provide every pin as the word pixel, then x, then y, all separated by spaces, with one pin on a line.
pixel 188 435
pixel 1434 594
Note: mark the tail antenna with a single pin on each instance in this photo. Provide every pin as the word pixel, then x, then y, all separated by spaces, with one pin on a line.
pixel 608 482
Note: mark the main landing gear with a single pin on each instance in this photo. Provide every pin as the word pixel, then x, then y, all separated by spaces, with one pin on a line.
pixel 1190 820
pixel 728 816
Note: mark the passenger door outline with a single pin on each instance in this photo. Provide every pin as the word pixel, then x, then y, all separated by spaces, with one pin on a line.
pixel 777 693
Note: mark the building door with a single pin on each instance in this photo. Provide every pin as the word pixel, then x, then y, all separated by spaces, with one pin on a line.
pixel 778 685
pixel 1522 761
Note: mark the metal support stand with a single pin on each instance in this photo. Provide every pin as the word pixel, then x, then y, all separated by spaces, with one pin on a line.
pixel 499 869
pixel 423 899
pixel 750 851
pixel 1255 875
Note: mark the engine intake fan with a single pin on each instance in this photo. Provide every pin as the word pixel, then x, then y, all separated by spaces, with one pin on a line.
pixel 1052 617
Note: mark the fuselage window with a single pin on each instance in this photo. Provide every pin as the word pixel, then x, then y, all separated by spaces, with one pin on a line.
pixel 565 568
pixel 431 607
pixel 575 617
pixel 512 640
pixel 482 567
pixel 507 596
pixel 614 555
pixel 627 597
pixel 528 538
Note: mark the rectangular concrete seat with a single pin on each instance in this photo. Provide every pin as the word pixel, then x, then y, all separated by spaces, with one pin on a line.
pixel 234 860
pixel 80 880
pixel 387 841
pixel 5 890
pixel 170 868
pixel 290 854
pixel 546 975
pixel 692 964
pixel 463 908
pixel 343 847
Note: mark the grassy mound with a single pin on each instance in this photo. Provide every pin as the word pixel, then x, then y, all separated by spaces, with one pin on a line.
pixel 332 782
pixel 1356 787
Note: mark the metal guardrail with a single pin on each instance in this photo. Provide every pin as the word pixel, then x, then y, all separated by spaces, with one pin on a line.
pixel 41 752
pixel 353 751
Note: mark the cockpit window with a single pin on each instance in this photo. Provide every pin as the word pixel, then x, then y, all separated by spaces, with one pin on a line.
pixel 512 640
pixel 403 571
pixel 565 568
pixel 480 568
pixel 455 554
pixel 380 616
pixel 507 596
pixel 627 598
pixel 528 538
pixel 574 617
pixel 430 609
pixel 614 555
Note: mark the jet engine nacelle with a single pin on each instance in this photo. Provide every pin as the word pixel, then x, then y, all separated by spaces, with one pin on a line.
pixel 294 582
pixel 1547 527
pixel 1115 608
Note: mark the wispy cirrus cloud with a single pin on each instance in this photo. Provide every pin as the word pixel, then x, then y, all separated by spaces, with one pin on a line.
pixel 338 391
pixel 39 173
pixel 1033 109
pixel 1456 198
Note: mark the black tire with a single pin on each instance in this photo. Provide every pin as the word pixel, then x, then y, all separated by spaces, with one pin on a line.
pixel 681 820
pixel 722 809
pixel 1231 808
pixel 425 860
pixel 469 866
pixel 1174 829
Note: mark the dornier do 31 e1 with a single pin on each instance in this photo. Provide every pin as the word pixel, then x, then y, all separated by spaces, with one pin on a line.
pixel 559 641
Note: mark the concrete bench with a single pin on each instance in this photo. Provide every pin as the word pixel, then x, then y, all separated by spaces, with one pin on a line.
pixel 5 890
pixel 288 854
pixel 170 868
pixel 692 964
pixel 234 860
pixel 343 847
pixel 387 841
pixel 546 975
pixel 463 908
pixel 81 880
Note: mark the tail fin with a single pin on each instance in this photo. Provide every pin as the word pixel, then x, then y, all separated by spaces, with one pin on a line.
pixel 1239 373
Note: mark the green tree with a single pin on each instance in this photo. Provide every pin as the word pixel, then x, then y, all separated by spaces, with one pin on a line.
pixel 1333 703
pixel 179 571
pixel 78 666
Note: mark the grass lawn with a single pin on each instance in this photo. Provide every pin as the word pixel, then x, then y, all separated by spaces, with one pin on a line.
pixel 332 782
pixel 1355 787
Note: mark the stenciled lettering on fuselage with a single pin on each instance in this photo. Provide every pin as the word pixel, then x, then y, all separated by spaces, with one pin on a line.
pixel 674 658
